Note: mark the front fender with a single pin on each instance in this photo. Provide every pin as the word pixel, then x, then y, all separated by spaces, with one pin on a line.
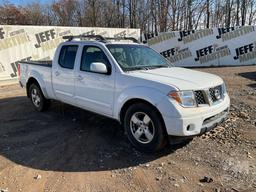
pixel 151 95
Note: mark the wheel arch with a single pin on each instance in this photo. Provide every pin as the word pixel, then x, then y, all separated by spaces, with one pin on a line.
pixel 33 80
pixel 133 101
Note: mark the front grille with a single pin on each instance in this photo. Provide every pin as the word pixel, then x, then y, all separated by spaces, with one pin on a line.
pixel 208 96
pixel 199 96
pixel 215 93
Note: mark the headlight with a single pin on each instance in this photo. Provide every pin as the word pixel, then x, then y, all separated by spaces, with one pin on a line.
pixel 184 98
pixel 224 88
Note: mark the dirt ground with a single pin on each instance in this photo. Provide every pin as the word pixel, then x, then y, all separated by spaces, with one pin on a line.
pixel 68 149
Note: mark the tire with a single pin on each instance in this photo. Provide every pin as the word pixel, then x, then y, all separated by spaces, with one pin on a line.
pixel 37 98
pixel 144 128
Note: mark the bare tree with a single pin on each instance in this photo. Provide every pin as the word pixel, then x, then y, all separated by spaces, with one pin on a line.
pixel 12 15
pixel 65 11
pixel 207 13
pixel 151 16
pixel 243 12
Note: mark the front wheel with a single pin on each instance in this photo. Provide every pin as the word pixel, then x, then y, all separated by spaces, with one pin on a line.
pixel 144 128
pixel 37 98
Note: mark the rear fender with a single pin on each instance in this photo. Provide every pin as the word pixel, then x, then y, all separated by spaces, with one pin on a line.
pixel 38 77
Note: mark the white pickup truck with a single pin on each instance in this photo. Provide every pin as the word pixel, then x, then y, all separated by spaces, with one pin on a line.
pixel 131 83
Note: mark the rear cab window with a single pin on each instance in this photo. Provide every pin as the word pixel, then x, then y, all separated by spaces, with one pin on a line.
pixel 67 56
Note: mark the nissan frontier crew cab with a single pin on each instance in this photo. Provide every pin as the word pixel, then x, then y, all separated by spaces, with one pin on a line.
pixel 131 83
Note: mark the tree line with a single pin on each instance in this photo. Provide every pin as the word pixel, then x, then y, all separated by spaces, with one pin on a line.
pixel 151 16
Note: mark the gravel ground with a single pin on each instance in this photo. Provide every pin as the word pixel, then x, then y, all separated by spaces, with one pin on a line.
pixel 69 149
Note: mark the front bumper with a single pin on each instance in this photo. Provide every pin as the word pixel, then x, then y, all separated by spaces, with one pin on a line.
pixel 212 122
pixel 197 121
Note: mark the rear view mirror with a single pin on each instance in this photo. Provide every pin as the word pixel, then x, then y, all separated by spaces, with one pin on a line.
pixel 98 67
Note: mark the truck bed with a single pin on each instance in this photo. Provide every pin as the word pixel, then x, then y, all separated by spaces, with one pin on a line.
pixel 42 71
pixel 44 63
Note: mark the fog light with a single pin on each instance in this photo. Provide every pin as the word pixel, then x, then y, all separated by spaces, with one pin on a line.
pixel 191 127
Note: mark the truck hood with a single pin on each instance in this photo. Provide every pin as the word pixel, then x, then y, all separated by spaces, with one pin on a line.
pixel 181 78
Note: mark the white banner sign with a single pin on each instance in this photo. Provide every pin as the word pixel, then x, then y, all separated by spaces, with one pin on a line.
pixel 39 42
pixel 209 47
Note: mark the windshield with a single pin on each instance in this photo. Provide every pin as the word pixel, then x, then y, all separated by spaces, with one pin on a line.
pixel 136 57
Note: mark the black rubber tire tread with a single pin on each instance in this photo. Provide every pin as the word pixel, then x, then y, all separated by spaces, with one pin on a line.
pixel 44 104
pixel 160 138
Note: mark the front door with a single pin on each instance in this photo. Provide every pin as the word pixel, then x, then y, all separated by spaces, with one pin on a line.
pixel 94 91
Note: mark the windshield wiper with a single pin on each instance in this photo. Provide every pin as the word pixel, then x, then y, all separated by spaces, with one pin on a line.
pixel 146 67
pixel 157 66
pixel 135 68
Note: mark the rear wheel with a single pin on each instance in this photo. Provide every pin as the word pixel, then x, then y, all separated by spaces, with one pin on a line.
pixel 37 98
pixel 145 128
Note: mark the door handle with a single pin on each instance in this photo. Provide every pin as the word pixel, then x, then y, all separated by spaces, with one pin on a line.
pixel 79 78
pixel 57 73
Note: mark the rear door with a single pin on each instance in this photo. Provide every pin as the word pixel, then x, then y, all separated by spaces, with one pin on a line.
pixel 63 73
pixel 95 91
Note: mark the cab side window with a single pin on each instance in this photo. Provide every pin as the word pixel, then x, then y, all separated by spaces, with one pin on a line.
pixel 67 56
pixel 93 54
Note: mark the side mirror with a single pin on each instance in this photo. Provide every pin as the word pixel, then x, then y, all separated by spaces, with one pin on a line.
pixel 98 67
